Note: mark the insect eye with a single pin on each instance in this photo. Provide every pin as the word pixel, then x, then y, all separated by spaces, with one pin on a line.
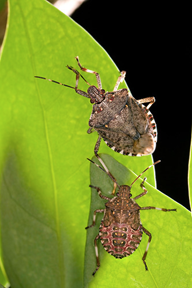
pixel 102 92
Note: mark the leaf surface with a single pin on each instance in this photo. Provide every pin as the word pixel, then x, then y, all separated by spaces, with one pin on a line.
pixel 44 145
pixel 169 257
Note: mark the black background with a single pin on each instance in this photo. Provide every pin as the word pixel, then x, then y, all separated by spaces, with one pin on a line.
pixel 153 44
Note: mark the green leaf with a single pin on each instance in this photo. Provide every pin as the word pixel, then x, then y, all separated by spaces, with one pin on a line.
pixel 190 175
pixel 169 257
pixel 2 4
pixel 3 276
pixel 44 145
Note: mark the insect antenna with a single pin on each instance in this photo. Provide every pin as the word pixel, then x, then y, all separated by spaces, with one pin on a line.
pixel 54 81
pixel 106 171
pixel 77 78
pixel 144 172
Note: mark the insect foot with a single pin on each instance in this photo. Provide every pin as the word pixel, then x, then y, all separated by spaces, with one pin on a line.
pixel 125 124
pixel 120 230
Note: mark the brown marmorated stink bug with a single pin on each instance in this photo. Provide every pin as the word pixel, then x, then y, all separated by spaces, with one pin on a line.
pixel 121 230
pixel 126 125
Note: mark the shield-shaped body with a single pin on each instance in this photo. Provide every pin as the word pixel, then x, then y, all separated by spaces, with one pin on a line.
pixel 121 230
pixel 126 126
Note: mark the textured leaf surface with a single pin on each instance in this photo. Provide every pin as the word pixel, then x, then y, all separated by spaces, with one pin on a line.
pixel 169 256
pixel 44 145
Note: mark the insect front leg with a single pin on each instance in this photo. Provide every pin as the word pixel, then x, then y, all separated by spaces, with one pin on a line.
pixel 78 75
pixel 146 250
pixel 143 187
pixel 119 80
pixel 100 193
pixel 90 71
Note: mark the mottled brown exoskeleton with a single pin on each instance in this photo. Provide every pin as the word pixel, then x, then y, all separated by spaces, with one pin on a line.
pixel 121 230
pixel 126 125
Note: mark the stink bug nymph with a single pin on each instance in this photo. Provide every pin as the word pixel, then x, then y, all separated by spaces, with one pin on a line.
pixel 120 231
pixel 126 125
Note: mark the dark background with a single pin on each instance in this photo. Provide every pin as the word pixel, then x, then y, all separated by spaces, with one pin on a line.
pixel 153 44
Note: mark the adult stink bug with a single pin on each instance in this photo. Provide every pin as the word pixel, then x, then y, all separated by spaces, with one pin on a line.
pixel 125 124
pixel 121 230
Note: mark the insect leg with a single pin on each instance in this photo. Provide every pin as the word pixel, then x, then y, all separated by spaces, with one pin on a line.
pixel 77 75
pixel 96 254
pixel 156 208
pixel 146 250
pixel 106 171
pixel 149 100
pixel 144 172
pixel 96 149
pixel 90 130
pixel 100 193
pixel 109 173
pixel 90 71
pixel 94 217
pixel 103 164
pixel 83 93
pixel 143 187
pixel 119 80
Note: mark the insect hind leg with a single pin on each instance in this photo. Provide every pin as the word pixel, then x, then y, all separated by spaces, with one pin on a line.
pixel 96 254
pixel 146 250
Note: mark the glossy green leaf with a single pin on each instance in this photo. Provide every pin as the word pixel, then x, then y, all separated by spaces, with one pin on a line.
pixel 2 4
pixel 169 256
pixel 44 145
